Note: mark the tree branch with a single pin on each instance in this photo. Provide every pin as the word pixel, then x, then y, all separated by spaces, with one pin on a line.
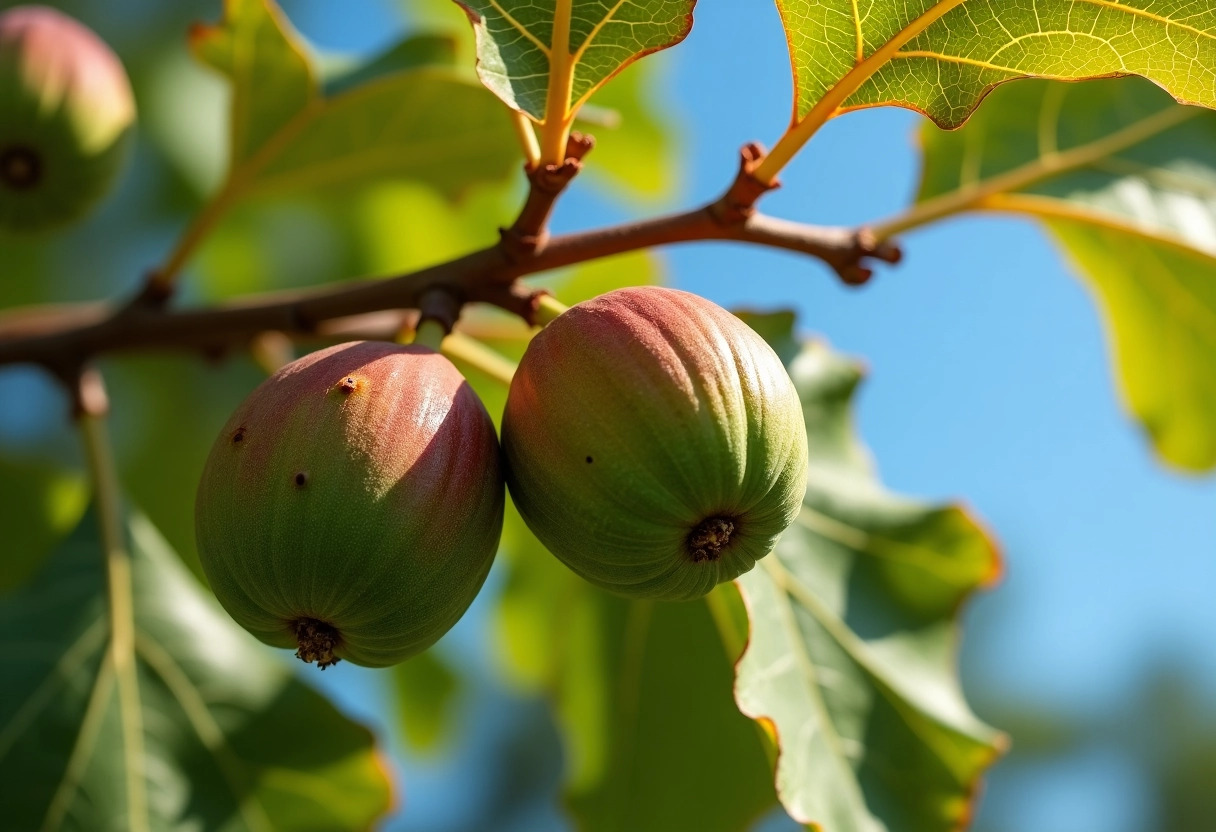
pixel 63 339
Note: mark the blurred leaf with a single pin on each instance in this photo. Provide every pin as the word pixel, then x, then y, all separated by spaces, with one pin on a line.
pixel 941 57
pixel 429 123
pixel 426 690
pixel 266 60
pixel 777 328
pixel 410 53
pixel 851 661
pixel 637 156
pixel 167 411
pixel 520 60
pixel 41 504
pixel 1125 179
pixel 230 738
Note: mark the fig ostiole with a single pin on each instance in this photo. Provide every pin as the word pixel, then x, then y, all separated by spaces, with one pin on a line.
pixel 66 118
pixel 352 506
pixel 654 443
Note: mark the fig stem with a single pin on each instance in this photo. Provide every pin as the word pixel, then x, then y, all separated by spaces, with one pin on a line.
pixel 461 347
pixel 430 333
pixel 548 308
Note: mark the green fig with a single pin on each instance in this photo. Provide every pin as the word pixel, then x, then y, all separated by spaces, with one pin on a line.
pixel 66 117
pixel 352 505
pixel 654 443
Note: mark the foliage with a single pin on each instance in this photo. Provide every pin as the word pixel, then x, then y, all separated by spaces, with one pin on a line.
pixel 132 702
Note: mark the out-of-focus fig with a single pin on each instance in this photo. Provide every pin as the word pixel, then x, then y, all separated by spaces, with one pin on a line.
pixel 353 503
pixel 66 113
pixel 654 443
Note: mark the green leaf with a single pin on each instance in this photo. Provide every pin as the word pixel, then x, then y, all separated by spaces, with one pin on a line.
pixel 410 53
pixel 230 738
pixel 428 123
pixel 41 504
pixel 942 57
pixel 566 49
pixel 271 73
pixel 1125 179
pixel 851 661
pixel 426 689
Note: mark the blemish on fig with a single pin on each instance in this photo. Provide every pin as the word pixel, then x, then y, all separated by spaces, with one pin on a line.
pixel 20 167
pixel 590 460
pixel 301 479
pixel 238 436
pixel 348 385
pixel 707 540
pixel 317 641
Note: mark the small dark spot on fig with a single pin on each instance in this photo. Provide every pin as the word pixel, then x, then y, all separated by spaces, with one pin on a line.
pixel 20 167
pixel 301 479
pixel 348 385
pixel 590 460
pixel 707 540
pixel 238 436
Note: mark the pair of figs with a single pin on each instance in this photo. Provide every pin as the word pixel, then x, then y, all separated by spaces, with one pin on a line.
pixel 353 504
pixel 66 119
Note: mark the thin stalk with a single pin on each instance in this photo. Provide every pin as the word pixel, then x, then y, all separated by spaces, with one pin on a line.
pixel 526 134
pixel 163 278
pixel 461 347
pixel 121 600
pixel 430 333
pixel 548 308
pixel 555 132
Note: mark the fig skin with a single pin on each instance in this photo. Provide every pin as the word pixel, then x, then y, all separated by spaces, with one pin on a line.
pixel 66 119
pixel 353 504
pixel 654 443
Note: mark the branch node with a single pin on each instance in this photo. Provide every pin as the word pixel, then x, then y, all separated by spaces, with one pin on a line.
pixel 440 305
pixel 529 234
pixel 865 246
pixel 739 202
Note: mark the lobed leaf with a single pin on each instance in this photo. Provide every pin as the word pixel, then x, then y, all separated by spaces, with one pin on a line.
pixel 851 660
pixel 536 55
pixel 942 57
pixel 1125 180
pixel 412 117
pixel 230 739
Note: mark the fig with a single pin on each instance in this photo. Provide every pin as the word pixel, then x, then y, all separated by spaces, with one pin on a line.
pixel 66 118
pixel 352 505
pixel 654 443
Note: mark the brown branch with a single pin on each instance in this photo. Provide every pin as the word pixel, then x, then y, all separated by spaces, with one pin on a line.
pixel 64 339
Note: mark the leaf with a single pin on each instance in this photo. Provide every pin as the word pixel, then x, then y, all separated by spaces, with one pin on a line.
pixel 854 638
pixel 426 689
pixel 409 53
pixel 1125 179
pixel 425 122
pixel 230 738
pixel 942 57
pixel 41 504
pixel 563 50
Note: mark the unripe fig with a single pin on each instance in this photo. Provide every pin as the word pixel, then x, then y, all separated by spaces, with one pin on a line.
pixel 66 113
pixel 353 503
pixel 654 443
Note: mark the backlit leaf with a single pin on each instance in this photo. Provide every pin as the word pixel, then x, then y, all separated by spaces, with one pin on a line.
pixel 1125 179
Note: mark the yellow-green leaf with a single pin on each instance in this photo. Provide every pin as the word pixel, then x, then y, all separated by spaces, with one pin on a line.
pixel 1125 179
pixel 546 59
pixel 941 57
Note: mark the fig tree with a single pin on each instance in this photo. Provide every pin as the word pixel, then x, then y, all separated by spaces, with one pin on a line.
pixel 654 443
pixel 66 113
pixel 352 505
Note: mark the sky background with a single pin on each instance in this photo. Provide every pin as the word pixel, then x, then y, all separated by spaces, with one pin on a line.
pixel 989 382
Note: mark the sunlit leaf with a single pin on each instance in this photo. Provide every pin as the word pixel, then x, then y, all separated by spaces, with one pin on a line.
pixel 215 733
pixel 424 122
pixel 942 56
pixel 851 660
pixel 526 50
pixel 1125 179
pixel 39 505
